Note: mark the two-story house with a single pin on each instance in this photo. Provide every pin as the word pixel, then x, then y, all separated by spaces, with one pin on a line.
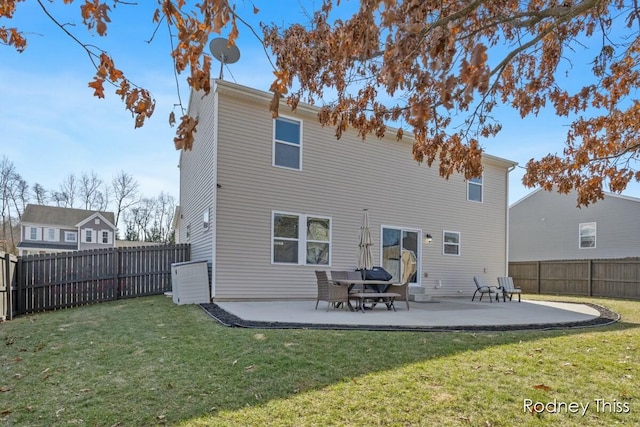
pixel 267 201
pixel 546 226
pixel 48 229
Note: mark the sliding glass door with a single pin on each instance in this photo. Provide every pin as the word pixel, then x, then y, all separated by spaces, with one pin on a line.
pixel 400 253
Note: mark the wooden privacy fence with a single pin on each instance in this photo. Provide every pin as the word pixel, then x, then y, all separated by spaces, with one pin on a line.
pixel 615 278
pixel 69 279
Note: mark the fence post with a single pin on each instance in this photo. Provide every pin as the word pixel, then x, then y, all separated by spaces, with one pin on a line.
pixel 538 276
pixel 590 277
pixel 20 294
pixel 116 271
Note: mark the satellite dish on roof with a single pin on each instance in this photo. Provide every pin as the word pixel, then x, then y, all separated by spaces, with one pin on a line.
pixel 224 53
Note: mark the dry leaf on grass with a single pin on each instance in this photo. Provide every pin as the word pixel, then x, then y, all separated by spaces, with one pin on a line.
pixel 542 387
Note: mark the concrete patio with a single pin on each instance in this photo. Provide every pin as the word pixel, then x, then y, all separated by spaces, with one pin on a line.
pixel 446 313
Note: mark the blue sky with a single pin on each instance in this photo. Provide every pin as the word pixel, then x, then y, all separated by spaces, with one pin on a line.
pixel 51 125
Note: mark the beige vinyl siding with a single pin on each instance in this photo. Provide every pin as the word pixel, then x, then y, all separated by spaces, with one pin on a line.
pixel 544 226
pixel 197 180
pixel 339 178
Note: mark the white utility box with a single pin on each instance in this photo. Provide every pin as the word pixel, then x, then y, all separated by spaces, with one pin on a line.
pixel 190 282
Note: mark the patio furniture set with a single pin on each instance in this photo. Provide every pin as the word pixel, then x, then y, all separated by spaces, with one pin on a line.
pixel 346 286
pixel 505 286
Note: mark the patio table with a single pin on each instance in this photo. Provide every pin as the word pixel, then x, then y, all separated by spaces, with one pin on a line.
pixel 381 287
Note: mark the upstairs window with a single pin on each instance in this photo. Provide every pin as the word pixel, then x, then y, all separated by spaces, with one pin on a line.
pixel 587 235
pixel 287 143
pixel 70 236
pixel 33 233
pixel 88 236
pixel 53 235
pixel 474 189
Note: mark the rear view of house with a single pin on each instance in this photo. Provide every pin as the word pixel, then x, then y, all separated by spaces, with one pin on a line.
pixel 267 201
pixel 50 229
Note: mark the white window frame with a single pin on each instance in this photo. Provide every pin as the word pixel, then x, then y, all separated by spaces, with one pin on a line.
pixel 31 233
pixel 109 237
pixel 277 141
pixel 445 243
pixel 52 234
pixel 306 240
pixel 480 184
pixel 301 239
pixel 595 234
pixel 205 219
pixel 418 255
pixel 68 238
pixel 84 235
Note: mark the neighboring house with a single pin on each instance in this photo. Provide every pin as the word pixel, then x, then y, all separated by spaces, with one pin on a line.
pixel 268 201
pixel 49 229
pixel 548 226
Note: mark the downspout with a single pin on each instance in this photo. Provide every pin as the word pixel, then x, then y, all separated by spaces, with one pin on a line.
pixel 213 225
pixel 506 267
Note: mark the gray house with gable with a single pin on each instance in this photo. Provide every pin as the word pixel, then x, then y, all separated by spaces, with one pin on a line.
pixel 50 229
pixel 547 226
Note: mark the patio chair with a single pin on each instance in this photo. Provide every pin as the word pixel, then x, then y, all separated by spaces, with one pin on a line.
pixel 409 270
pixel 508 288
pixel 484 288
pixel 329 291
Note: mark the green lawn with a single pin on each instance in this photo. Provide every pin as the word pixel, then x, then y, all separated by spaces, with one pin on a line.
pixel 147 361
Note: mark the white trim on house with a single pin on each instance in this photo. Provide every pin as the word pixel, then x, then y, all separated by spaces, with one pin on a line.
pixel 506 225
pixel 94 216
pixel 214 189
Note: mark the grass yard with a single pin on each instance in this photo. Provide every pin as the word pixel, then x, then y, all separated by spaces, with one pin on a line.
pixel 146 361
